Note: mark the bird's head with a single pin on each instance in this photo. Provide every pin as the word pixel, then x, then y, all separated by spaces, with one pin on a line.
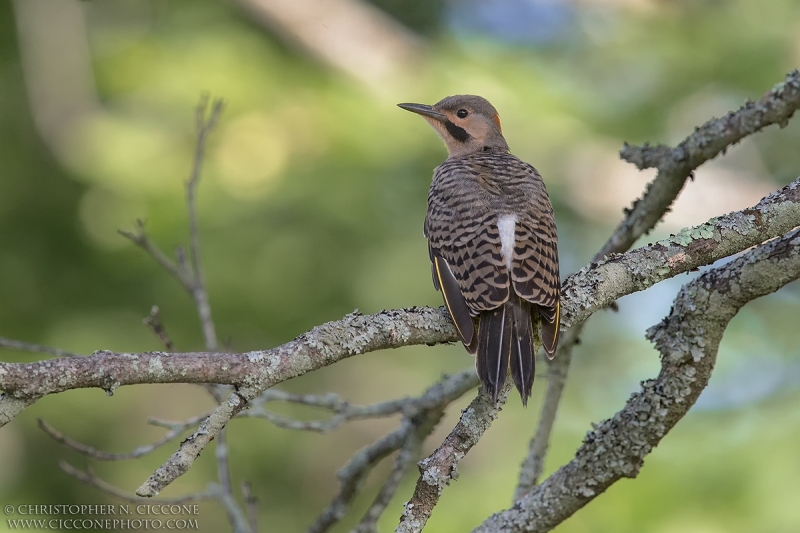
pixel 466 123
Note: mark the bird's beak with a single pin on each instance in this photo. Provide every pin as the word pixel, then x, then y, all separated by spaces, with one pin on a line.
pixel 424 110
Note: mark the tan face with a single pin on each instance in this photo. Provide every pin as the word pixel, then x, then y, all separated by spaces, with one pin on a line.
pixel 477 127
pixel 462 129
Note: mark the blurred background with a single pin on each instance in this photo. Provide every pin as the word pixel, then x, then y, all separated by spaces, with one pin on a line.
pixel 311 205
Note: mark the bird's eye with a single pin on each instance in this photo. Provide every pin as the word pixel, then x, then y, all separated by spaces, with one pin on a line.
pixel 462 113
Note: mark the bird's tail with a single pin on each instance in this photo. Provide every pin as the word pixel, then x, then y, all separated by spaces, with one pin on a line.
pixel 506 337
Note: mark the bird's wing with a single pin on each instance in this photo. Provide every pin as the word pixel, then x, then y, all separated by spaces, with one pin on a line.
pixel 463 233
pixel 534 269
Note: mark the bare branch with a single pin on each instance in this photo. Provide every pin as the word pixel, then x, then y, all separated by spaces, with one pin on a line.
pixel 141 240
pixel 214 492
pixel 252 506
pixel 352 476
pixel 450 386
pixel 183 459
pixel 408 453
pixel 533 465
pixel 36 348
pixel 440 467
pixel 91 479
pixel 236 516
pixel 675 165
pixel 421 415
pixel 153 321
pixel 175 430
pixel 688 340
pixel 199 293
pixel 260 369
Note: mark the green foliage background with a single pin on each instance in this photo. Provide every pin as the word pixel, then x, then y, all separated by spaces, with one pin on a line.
pixel 311 205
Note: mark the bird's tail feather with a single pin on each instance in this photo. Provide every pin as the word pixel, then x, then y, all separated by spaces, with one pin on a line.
pixel 505 336
pixel 523 352
pixel 550 325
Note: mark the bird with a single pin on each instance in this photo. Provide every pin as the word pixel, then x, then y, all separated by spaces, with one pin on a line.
pixel 492 243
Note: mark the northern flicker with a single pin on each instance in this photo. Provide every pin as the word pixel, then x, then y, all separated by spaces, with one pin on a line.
pixel 492 243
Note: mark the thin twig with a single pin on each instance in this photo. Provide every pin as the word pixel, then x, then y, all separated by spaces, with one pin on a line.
pixel 140 239
pixel 421 415
pixel 236 517
pixel 532 467
pixel 175 429
pixel 252 505
pixel 402 464
pixel 204 126
pixel 199 293
pixel 36 348
pixel 344 411
pixel 153 321
pixel 352 475
pixel 213 492
pixel 91 479
pixel 223 472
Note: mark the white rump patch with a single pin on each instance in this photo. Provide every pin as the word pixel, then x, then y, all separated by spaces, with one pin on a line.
pixel 506 226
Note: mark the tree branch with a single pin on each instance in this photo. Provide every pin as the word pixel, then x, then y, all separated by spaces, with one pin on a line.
pixel 533 465
pixel 676 165
pixel 441 466
pixel 449 387
pixel 592 288
pixel 91 479
pixel 260 369
pixel 420 417
pixel 175 429
pixel 688 340
pixel 199 293
pixel 36 348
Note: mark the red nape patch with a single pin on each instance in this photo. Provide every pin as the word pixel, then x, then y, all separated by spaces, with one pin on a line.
pixel 496 119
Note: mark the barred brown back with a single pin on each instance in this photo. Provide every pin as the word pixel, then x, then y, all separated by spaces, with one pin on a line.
pixel 466 198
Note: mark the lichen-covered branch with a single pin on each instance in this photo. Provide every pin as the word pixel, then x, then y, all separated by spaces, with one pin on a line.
pixel 688 340
pixel 183 459
pixel 599 284
pixel 441 466
pixel 322 346
pixel 592 288
pixel 675 165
